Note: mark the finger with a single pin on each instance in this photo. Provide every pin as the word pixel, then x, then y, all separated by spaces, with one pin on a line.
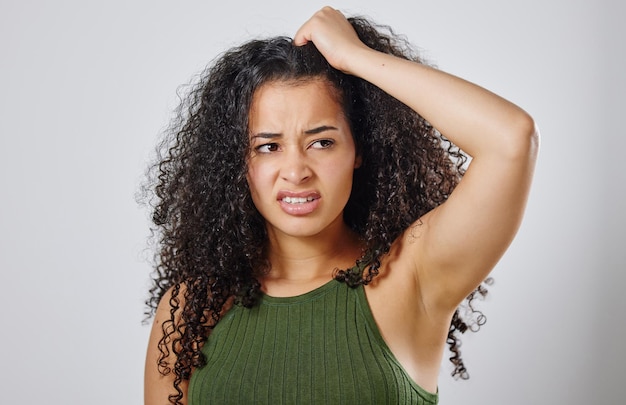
pixel 305 33
pixel 302 37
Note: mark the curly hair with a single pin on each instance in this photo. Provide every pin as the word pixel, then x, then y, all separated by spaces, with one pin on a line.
pixel 212 240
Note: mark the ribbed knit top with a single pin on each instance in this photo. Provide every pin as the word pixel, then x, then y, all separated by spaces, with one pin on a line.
pixel 322 347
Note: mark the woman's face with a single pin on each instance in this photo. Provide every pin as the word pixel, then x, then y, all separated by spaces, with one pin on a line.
pixel 302 157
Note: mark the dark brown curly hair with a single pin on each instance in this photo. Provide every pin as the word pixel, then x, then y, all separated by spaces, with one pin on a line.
pixel 212 240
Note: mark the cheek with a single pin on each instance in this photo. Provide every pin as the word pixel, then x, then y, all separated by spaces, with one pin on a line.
pixel 251 178
pixel 252 175
pixel 342 172
pixel 257 178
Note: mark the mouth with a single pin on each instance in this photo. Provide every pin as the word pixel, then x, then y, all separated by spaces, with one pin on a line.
pixel 299 203
pixel 298 200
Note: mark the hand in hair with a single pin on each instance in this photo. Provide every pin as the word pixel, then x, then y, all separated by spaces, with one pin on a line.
pixel 333 36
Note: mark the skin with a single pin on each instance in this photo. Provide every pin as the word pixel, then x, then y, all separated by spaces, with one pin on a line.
pixel 434 264
pixel 437 263
pixel 302 147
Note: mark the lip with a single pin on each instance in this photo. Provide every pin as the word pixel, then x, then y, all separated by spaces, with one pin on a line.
pixel 299 209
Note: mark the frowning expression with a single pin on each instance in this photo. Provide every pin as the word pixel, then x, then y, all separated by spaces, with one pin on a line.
pixel 302 157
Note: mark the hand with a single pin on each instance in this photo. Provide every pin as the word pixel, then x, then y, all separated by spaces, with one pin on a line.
pixel 332 35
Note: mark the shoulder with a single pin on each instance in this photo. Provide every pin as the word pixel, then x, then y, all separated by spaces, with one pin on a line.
pixel 159 376
pixel 166 344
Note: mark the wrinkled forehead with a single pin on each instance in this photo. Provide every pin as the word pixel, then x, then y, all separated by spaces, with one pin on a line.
pixel 322 83
pixel 285 101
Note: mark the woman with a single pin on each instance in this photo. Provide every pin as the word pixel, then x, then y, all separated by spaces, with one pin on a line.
pixel 316 236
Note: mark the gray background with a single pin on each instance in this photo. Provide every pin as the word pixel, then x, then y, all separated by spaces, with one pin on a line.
pixel 86 87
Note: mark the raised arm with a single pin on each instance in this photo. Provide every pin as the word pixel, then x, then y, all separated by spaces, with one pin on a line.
pixel 458 243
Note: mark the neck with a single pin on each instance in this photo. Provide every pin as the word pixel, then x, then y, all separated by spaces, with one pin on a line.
pixel 312 258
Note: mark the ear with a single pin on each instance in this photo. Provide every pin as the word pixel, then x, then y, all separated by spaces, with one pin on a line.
pixel 358 160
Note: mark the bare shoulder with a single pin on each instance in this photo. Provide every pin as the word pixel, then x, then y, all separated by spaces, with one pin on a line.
pixel 164 345
pixel 160 358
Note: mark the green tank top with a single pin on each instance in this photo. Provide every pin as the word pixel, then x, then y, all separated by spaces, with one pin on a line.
pixel 322 347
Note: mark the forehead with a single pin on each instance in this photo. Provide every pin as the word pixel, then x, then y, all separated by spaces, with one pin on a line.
pixel 310 91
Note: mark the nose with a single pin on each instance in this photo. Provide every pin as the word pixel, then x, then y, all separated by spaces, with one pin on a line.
pixel 295 167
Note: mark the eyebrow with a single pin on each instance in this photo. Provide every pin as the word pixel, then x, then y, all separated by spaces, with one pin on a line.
pixel 321 129
pixel 313 131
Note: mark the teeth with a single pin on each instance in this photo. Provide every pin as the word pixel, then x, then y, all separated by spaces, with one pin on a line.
pixel 297 200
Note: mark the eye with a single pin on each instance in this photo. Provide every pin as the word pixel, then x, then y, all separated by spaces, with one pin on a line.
pixel 322 144
pixel 267 148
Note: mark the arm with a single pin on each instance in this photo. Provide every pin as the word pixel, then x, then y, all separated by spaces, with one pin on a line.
pixel 157 387
pixel 459 242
